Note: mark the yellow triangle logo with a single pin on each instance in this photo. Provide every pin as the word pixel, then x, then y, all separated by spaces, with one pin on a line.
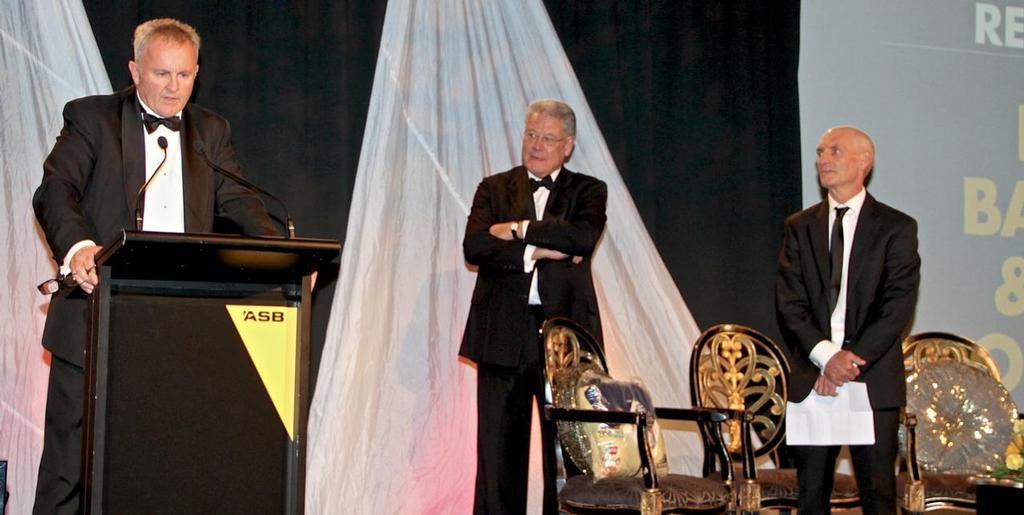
pixel 270 337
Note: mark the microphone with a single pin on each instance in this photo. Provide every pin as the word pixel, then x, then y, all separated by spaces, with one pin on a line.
pixel 198 145
pixel 162 141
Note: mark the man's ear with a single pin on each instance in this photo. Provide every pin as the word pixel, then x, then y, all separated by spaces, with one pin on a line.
pixel 864 160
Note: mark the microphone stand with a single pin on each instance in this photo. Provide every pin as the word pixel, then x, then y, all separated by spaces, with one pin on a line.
pixel 162 141
pixel 289 224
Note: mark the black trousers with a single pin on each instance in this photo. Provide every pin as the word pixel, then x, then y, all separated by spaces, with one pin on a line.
pixel 504 407
pixel 59 487
pixel 873 466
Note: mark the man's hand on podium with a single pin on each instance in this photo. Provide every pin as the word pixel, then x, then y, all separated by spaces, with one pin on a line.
pixel 83 268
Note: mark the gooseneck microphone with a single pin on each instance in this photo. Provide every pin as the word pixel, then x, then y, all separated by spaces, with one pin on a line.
pixel 198 145
pixel 162 141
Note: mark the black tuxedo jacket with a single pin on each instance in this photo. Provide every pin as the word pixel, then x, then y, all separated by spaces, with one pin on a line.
pixel 91 181
pixel 884 273
pixel 573 221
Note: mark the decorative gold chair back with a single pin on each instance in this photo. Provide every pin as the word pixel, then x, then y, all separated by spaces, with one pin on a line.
pixel 736 367
pixel 568 353
pixel 962 413
pixel 925 348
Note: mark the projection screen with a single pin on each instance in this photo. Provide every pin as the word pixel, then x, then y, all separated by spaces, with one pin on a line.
pixel 939 85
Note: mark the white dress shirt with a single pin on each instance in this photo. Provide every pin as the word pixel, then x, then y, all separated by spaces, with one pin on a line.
pixel 540 201
pixel 165 199
pixel 825 349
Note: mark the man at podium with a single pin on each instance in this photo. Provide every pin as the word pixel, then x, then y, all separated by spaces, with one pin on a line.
pixel 141 158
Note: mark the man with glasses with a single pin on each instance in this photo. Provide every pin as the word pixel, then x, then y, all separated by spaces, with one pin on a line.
pixel 531 232
pixel 92 189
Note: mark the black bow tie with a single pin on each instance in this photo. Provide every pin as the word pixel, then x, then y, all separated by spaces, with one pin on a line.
pixel 151 122
pixel 546 182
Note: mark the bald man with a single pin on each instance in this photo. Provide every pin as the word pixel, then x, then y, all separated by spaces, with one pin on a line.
pixel 845 295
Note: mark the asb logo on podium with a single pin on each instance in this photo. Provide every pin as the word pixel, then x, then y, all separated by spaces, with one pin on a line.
pixel 270 335
pixel 262 316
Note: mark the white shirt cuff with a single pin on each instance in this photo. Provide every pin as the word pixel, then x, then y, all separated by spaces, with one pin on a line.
pixel 528 261
pixel 822 352
pixel 65 267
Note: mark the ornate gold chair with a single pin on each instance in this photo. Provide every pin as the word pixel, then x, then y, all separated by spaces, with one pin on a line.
pixel 958 421
pixel 592 433
pixel 736 367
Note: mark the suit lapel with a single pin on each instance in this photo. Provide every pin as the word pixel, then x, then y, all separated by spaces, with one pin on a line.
pixel 521 196
pixel 818 234
pixel 133 150
pixel 194 181
pixel 558 201
pixel 864 237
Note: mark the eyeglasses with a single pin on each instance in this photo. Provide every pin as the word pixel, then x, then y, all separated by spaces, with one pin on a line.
pixel 549 140
pixel 59 282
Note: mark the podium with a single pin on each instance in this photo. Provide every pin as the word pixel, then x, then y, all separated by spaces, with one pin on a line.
pixel 197 374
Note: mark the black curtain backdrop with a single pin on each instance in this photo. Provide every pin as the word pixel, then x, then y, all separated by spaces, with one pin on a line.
pixel 697 101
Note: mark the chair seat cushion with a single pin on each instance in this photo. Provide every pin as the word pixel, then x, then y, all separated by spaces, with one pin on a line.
pixel 782 485
pixel 623 493
pixel 944 487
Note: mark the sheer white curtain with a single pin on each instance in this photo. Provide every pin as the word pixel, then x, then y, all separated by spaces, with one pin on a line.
pixel 47 56
pixel 392 426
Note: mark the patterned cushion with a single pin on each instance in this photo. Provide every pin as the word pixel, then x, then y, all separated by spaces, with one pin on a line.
pixel 964 418
pixel 623 493
pixel 944 486
pixel 781 485
pixel 611 449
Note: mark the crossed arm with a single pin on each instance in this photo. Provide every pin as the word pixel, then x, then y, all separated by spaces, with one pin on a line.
pixel 489 240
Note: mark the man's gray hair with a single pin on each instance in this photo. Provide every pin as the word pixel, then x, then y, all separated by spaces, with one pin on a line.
pixel 557 109
pixel 169 28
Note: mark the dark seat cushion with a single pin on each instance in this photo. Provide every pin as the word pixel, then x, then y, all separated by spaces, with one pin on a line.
pixel 944 487
pixel 781 485
pixel 623 493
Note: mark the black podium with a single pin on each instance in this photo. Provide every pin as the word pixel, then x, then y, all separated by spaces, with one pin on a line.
pixel 197 374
